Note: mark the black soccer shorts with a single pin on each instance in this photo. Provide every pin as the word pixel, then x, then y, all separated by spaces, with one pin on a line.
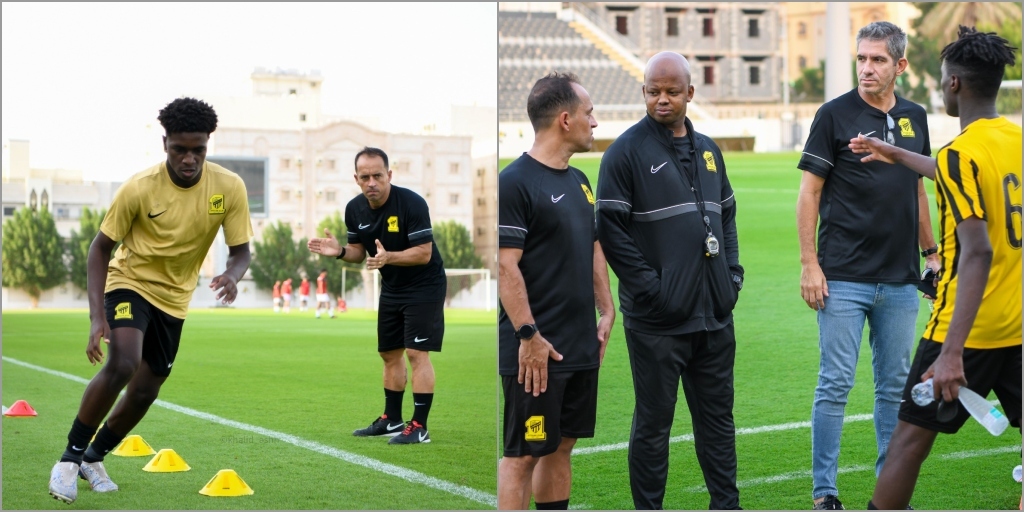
pixel 161 333
pixel 997 369
pixel 417 326
pixel 535 426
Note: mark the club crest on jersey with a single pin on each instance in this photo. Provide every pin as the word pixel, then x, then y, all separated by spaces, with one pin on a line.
pixel 123 311
pixel 906 129
pixel 217 204
pixel 535 429
pixel 393 224
pixel 590 199
pixel 709 159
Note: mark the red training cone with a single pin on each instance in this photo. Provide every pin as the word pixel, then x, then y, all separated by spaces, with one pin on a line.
pixel 20 408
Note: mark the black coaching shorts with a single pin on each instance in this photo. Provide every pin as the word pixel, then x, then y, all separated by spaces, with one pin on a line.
pixel 419 326
pixel 997 369
pixel 161 332
pixel 535 426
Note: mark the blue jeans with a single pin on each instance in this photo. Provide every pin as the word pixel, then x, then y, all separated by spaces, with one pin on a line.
pixel 891 312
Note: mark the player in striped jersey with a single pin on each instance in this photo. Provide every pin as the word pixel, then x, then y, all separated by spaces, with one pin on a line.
pixel 973 337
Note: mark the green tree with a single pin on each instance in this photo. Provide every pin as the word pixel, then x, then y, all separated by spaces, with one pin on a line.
pixel 457 251
pixel 940 21
pixel 336 225
pixel 33 253
pixel 78 245
pixel 1009 100
pixel 278 256
pixel 810 87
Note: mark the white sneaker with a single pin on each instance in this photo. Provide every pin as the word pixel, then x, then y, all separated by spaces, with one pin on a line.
pixel 64 481
pixel 96 475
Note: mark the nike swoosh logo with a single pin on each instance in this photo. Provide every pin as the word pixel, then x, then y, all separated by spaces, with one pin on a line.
pixel 418 340
pixel 422 436
pixel 556 199
pixel 417 403
pixel 658 168
pixel 77 449
pixel 364 226
pixel 395 427
pixel 157 215
pixel 170 365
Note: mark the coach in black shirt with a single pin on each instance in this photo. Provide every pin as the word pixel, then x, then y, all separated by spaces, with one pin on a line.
pixel 389 227
pixel 874 216
pixel 552 272
pixel 667 222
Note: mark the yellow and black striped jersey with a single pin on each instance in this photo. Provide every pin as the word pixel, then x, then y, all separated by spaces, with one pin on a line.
pixel 979 175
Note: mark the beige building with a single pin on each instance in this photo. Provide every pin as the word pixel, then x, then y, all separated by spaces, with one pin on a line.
pixel 62 191
pixel 806 29
pixel 485 210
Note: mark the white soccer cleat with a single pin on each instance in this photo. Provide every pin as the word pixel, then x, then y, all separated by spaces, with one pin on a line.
pixel 64 481
pixel 96 475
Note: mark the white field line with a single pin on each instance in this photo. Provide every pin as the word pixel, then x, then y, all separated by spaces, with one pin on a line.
pixel 359 460
pixel 863 467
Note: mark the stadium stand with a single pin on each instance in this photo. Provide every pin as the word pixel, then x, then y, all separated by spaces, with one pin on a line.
pixel 531 45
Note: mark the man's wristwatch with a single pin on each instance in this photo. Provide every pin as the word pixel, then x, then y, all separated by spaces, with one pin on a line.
pixel 342 255
pixel 929 251
pixel 526 331
pixel 738 281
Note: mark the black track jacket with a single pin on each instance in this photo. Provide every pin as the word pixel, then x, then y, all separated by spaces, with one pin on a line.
pixel 651 229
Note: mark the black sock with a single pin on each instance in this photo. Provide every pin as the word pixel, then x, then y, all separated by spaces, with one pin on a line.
pixel 78 441
pixel 106 440
pixel 421 407
pixel 393 404
pixel 553 505
pixel 871 505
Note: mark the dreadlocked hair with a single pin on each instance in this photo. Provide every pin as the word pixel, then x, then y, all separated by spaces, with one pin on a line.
pixel 188 115
pixel 979 58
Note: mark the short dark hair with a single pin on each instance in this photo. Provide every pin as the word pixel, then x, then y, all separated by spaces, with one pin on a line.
pixel 188 115
pixel 551 95
pixel 979 59
pixel 367 150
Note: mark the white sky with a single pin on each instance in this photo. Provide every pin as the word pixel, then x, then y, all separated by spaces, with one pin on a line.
pixel 80 80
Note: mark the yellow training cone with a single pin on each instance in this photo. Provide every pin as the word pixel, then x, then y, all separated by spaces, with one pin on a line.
pixel 226 483
pixel 133 446
pixel 166 461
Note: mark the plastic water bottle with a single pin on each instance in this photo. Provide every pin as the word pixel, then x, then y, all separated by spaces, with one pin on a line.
pixel 991 418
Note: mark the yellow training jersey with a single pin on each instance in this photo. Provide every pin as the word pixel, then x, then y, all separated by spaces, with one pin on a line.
pixel 979 175
pixel 167 230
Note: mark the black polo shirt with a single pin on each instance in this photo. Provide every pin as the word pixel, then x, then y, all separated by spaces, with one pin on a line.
pixel 403 221
pixel 868 211
pixel 549 214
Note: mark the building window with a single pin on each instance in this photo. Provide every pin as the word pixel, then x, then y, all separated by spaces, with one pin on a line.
pixel 802 62
pixel 293 92
pixel 402 166
pixel 332 196
pixel 302 117
pixel 453 199
pixel 709 27
pixel 801 29
pixel 286 163
pixel 454 169
pixel 672 27
pixel 479 231
pixel 332 164
pixel 480 171
pixel 9 210
pixel 481 201
pixel 753 28
pixel 286 195
pixel 621 25
pixel 709 75
pixel 755 75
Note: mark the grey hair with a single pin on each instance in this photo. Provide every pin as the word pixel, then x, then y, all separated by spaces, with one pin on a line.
pixel 894 37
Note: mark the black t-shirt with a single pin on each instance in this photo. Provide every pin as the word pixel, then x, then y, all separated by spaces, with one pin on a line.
pixel 403 221
pixel 549 214
pixel 868 211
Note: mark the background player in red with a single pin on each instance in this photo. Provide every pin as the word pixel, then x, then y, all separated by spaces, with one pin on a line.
pixel 322 298
pixel 277 296
pixel 286 294
pixel 304 294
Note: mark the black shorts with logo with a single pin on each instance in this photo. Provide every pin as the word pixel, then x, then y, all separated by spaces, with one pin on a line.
pixel 161 332
pixel 535 426
pixel 997 369
pixel 419 326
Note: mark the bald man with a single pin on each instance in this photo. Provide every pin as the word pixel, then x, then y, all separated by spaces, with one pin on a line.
pixel 666 218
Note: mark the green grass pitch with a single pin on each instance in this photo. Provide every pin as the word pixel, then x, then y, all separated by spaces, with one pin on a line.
pixel 775 376
pixel 316 380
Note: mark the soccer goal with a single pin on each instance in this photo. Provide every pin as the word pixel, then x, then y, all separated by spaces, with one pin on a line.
pixel 468 288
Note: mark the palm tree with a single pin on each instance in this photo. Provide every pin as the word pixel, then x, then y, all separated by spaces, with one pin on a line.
pixel 941 21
